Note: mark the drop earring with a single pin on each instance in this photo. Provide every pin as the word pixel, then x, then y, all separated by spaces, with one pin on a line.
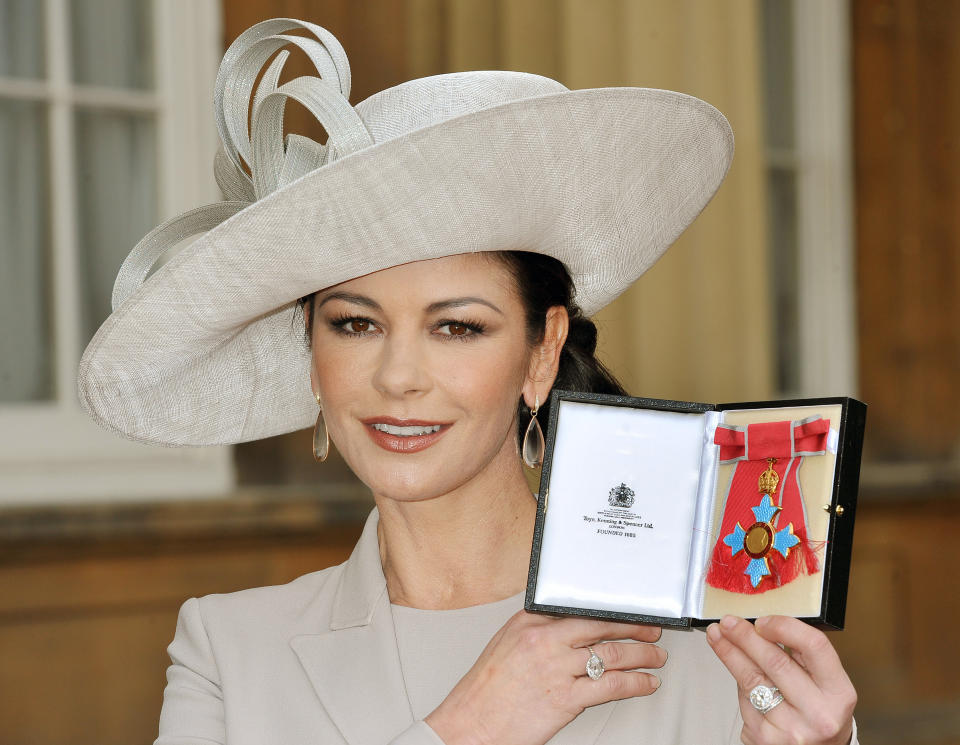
pixel 533 444
pixel 321 439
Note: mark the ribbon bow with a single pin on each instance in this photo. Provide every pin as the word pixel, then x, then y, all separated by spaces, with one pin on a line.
pixel 273 161
pixel 772 439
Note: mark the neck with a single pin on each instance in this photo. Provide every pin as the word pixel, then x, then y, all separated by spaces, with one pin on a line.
pixel 467 547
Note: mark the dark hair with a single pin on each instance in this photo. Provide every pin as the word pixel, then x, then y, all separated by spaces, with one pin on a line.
pixel 544 282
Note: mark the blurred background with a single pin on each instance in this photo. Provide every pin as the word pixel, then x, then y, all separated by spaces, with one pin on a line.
pixel 828 264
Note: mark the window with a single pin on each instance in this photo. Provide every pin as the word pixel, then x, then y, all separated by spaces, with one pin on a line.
pixel 806 80
pixel 106 128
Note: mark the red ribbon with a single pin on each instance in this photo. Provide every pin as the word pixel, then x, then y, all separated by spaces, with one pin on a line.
pixel 750 447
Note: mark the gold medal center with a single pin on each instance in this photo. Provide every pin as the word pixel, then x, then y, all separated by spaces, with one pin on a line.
pixel 758 539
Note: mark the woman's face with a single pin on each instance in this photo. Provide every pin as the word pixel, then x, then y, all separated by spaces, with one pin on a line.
pixel 420 368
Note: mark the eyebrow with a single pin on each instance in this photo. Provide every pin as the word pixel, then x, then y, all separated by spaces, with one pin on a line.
pixel 459 302
pixel 350 298
pixel 456 302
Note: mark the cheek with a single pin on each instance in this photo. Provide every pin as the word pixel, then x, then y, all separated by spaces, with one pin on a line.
pixel 488 385
pixel 481 380
pixel 339 375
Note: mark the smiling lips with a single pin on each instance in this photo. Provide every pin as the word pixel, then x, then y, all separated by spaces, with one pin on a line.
pixel 404 435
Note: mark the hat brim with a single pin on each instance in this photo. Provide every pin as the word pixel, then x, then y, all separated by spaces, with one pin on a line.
pixel 207 352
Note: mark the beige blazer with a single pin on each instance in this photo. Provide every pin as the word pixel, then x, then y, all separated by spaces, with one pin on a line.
pixel 315 662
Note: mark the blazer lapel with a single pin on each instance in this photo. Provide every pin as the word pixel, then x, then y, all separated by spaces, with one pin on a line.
pixel 354 666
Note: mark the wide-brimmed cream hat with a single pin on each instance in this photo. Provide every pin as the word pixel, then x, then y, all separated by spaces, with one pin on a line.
pixel 206 350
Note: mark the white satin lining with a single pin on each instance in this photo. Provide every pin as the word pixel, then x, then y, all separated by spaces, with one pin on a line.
pixel 702 540
pixel 657 455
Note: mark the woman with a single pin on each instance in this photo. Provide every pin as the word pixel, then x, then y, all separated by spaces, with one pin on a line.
pixel 436 244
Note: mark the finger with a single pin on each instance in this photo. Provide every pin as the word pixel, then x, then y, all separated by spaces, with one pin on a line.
pixel 620 656
pixel 759 729
pixel 579 632
pixel 614 686
pixel 811 649
pixel 767 728
pixel 792 680
pixel 819 718
pixel 745 671
pixel 770 728
pixel 794 726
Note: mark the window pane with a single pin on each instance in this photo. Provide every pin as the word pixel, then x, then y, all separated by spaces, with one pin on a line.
pixel 782 196
pixel 778 73
pixel 117 200
pixel 21 38
pixel 25 334
pixel 112 43
pixel 779 90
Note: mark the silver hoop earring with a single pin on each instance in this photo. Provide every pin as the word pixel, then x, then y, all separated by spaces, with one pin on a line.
pixel 533 444
pixel 321 439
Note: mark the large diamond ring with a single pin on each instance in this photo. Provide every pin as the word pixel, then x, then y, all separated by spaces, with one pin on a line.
pixel 595 666
pixel 765 698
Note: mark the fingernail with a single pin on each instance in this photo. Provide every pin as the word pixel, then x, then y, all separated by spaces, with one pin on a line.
pixel 656 682
pixel 713 632
pixel 728 622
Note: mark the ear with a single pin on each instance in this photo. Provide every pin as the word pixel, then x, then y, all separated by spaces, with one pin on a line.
pixel 545 357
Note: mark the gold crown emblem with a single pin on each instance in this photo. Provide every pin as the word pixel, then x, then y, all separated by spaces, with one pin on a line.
pixel 769 480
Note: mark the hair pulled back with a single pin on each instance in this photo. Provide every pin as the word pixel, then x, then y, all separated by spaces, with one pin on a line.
pixel 543 282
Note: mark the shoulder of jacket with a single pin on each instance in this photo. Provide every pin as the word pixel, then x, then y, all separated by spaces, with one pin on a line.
pixel 304 600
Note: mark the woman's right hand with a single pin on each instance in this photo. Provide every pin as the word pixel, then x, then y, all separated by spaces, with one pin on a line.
pixel 531 679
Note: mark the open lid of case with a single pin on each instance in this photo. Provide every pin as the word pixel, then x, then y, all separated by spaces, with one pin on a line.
pixel 643 517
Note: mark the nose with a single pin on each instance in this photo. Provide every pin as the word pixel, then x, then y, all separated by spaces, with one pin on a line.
pixel 402 367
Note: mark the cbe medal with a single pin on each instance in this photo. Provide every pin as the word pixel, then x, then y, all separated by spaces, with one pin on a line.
pixel 765 497
pixel 763 537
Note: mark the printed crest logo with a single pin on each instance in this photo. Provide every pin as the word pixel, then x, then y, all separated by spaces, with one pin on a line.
pixel 621 496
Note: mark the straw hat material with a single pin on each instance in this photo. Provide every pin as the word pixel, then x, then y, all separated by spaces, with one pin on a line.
pixel 206 350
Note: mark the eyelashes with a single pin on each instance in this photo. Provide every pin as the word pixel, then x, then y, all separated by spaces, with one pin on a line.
pixel 461 330
pixel 456 329
pixel 353 325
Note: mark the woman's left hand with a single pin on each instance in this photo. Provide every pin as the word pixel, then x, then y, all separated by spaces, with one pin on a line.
pixel 818 695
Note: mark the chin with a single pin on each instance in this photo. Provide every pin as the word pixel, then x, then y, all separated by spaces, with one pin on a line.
pixel 457 459
pixel 411 483
pixel 418 476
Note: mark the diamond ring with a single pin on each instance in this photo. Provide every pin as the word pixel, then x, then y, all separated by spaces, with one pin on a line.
pixel 765 698
pixel 595 665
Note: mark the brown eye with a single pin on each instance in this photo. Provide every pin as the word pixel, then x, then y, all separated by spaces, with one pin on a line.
pixel 457 329
pixel 359 326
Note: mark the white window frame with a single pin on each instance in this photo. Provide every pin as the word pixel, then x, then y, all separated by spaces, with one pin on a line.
pixel 52 452
pixel 826 235
pixel 825 221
